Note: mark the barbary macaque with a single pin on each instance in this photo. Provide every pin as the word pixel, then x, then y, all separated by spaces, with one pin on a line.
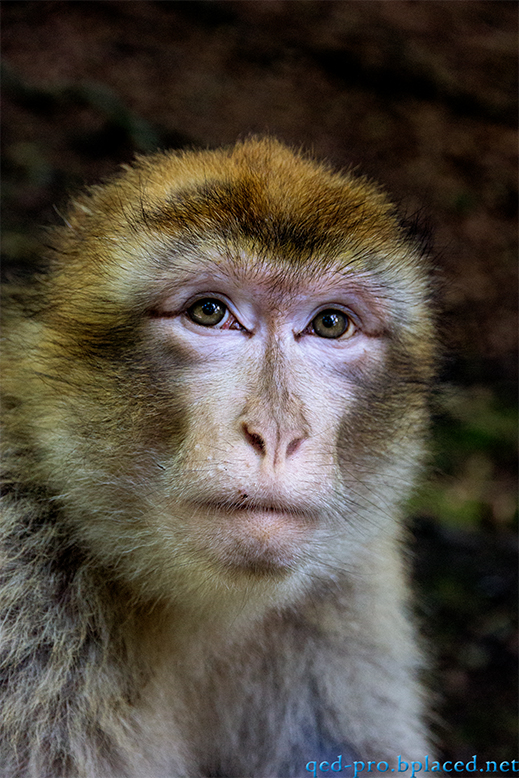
pixel 215 401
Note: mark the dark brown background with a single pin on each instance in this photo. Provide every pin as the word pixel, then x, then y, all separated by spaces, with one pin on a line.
pixel 420 95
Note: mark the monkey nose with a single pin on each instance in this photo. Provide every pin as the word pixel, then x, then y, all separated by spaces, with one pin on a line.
pixel 276 446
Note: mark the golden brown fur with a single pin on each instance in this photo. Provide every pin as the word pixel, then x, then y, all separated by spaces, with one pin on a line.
pixel 201 537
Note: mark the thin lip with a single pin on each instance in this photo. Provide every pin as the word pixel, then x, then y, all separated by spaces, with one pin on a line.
pixel 257 507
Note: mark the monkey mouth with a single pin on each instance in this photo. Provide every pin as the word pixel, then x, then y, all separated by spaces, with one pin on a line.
pixel 244 505
pixel 253 537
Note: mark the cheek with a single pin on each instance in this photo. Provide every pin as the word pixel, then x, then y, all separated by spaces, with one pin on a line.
pixel 214 402
pixel 182 406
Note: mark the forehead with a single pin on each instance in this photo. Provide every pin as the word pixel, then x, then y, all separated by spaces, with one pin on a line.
pixel 281 224
pixel 263 193
pixel 294 221
pixel 220 239
pixel 210 265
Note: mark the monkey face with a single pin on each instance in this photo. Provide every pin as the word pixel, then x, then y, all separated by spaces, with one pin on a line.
pixel 236 348
pixel 272 362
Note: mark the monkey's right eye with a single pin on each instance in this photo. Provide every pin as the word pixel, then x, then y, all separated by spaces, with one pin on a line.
pixel 207 312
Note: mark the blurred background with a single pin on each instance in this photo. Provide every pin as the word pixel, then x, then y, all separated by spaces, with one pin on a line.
pixel 418 94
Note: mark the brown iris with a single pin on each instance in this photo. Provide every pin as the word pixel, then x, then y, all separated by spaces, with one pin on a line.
pixel 207 312
pixel 331 324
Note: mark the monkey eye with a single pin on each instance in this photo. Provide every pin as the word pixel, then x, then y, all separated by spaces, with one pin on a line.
pixel 332 323
pixel 207 312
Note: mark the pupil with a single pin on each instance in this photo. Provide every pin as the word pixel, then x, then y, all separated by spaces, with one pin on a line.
pixel 330 320
pixel 209 308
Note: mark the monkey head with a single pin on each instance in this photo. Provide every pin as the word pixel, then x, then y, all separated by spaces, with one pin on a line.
pixel 226 368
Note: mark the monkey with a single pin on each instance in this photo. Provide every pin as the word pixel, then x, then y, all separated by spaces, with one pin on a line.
pixel 215 405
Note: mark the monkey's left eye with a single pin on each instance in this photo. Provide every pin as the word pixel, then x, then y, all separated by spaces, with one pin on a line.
pixel 333 324
pixel 207 312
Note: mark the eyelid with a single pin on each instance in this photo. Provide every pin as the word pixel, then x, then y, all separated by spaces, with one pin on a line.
pixel 192 299
pixel 341 307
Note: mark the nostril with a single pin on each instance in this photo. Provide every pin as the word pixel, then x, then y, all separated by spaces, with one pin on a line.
pixel 293 446
pixel 255 440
